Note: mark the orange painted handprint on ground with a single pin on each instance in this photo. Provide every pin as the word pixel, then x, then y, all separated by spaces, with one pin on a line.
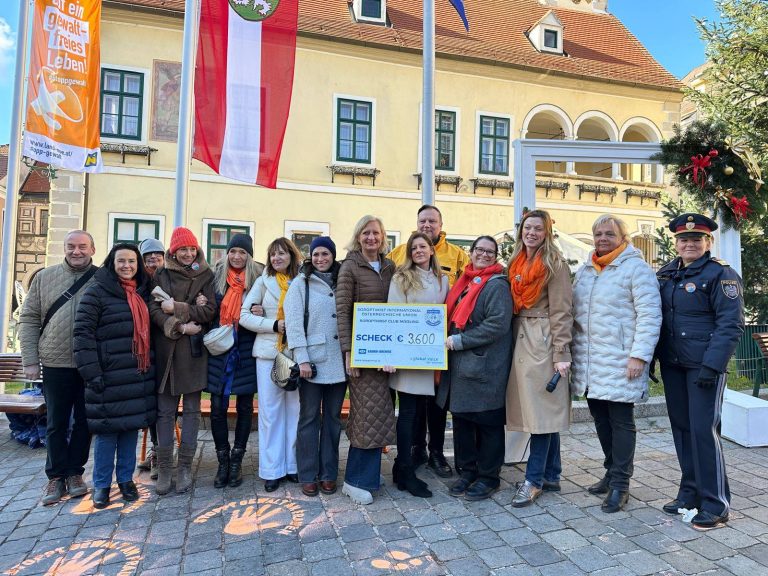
pixel 400 561
pixel 79 563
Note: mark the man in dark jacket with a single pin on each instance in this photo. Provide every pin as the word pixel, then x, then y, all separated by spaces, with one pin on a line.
pixel 703 319
pixel 46 338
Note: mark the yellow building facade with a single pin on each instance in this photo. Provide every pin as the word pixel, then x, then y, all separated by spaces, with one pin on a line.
pixel 484 105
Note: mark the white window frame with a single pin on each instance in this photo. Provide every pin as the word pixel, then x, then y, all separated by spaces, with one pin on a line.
pixel 551 23
pixel 372 101
pixel 476 149
pixel 159 218
pixel 396 234
pixel 357 7
pixel 457 144
pixel 208 221
pixel 146 96
pixel 306 227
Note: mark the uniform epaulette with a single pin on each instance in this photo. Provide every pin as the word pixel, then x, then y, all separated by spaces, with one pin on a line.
pixel 719 261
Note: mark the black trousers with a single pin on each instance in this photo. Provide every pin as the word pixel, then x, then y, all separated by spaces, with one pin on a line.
pixel 64 391
pixel 615 426
pixel 219 427
pixel 694 414
pixel 411 405
pixel 478 447
pixel 433 418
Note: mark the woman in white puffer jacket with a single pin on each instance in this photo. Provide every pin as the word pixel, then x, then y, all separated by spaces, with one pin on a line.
pixel 617 318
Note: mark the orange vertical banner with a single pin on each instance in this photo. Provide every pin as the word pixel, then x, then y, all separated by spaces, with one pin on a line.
pixel 62 120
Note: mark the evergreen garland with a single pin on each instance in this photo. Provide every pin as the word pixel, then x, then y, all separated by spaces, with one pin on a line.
pixel 720 175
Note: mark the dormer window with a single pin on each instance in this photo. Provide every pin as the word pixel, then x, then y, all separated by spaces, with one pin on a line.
pixel 373 11
pixel 547 34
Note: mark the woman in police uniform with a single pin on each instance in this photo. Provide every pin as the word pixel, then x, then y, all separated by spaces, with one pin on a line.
pixel 703 319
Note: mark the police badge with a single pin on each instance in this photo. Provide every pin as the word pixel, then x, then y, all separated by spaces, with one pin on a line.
pixel 730 288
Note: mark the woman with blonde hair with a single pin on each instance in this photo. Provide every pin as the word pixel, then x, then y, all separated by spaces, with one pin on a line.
pixel 365 276
pixel 418 280
pixel 278 409
pixel 541 293
pixel 233 373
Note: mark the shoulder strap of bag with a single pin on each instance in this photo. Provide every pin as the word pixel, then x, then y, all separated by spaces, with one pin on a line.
pixel 67 295
pixel 306 304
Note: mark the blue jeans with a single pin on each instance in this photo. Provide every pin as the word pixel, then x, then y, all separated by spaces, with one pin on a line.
pixel 363 468
pixel 105 448
pixel 319 431
pixel 544 459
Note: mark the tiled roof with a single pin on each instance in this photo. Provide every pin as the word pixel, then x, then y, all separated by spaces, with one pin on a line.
pixel 597 44
pixel 35 182
pixel 3 161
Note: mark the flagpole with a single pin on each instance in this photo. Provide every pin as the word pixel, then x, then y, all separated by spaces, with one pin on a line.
pixel 7 265
pixel 428 106
pixel 184 149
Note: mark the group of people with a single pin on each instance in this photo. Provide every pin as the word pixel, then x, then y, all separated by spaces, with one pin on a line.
pixel 122 345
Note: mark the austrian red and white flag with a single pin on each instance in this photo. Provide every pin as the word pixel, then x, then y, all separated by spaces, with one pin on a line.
pixel 243 83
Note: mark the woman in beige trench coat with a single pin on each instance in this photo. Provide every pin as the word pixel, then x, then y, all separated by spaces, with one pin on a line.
pixel 541 291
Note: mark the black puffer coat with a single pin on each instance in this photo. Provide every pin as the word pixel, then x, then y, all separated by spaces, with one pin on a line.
pixel 245 370
pixel 103 344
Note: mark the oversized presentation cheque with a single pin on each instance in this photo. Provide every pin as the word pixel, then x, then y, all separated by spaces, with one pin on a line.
pixel 400 335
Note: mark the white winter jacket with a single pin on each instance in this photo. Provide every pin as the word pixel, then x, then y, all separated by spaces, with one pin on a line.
pixel 616 316
pixel 265 291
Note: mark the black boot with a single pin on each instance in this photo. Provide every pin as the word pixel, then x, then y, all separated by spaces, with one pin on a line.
pixel 407 480
pixel 222 474
pixel 236 467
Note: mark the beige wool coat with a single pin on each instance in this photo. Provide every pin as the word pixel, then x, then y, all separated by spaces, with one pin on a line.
pixel 542 336
pixel 371 421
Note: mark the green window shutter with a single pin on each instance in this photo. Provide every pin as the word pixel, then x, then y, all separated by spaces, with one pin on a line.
pixel 218 236
pixel 134 230
pixel 445 140
pixel 353 131
pixel 122 104
pixel 494 146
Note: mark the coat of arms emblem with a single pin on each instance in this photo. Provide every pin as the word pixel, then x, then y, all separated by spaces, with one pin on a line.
pixel 254 10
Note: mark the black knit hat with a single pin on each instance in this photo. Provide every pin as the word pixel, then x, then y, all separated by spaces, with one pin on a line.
pixel 325 242
pixel 243 241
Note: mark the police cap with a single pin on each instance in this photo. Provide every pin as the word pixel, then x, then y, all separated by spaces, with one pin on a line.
pixel 692 224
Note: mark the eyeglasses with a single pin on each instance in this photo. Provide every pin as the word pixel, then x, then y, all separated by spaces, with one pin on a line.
pixel 483 251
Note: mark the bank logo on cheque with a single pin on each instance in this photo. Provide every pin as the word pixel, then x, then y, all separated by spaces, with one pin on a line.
pixel 254 10
pixel 433 316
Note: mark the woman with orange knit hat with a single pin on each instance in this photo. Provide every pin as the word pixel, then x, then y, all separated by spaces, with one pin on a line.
pixel 541 292
pixel 178 325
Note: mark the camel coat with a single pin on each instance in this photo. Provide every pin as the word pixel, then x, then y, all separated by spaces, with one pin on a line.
pixel 371 421
pixel 542 336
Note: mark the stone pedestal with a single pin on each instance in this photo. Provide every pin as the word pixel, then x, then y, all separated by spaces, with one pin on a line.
pixel 67 193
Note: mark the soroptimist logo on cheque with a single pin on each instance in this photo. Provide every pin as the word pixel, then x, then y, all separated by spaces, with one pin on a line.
pixel 256 515
pixel 83 557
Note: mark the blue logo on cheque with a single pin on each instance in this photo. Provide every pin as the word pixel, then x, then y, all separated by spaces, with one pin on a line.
pixel 362 351
pixel 433 316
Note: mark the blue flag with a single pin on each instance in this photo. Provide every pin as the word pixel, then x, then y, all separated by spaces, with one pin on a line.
pixel 459 6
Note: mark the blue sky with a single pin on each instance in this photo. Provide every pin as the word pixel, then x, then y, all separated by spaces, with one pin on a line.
pixel 666 28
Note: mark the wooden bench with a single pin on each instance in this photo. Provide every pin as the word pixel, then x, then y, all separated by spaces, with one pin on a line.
pixel 12 370
pixel 761 339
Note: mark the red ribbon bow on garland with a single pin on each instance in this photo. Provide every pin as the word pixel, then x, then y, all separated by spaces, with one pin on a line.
pixel 700 163
pixel 740 207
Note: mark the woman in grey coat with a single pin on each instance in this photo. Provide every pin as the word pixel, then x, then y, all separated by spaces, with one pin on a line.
pixel 317 342
pixel 617 318
pixel 480 352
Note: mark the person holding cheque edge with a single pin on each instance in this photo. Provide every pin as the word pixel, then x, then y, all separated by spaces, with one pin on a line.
pixel 480 349
pixel 617 317
pixel 541 291
pixel 418 280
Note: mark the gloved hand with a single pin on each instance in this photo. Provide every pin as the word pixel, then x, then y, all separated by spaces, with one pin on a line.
pixel 707 377
pixel 96 385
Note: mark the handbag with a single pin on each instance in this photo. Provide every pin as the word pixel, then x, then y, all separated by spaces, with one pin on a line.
pixel 219 340
pixel 285 371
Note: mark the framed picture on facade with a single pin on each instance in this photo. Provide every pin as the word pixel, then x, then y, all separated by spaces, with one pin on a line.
pixel 166 87
pixel 303 240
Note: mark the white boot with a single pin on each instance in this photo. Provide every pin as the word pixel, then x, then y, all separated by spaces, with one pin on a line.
pixel 358 495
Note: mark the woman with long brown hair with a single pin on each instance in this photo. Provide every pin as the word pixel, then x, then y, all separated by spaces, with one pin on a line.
pixel 541 292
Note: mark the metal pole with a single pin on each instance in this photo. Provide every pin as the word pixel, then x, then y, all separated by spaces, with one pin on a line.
pixel 428 106
pixel 184 149
pixel 7 265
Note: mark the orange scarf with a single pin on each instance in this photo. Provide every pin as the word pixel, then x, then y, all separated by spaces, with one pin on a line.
pixel 140 315
pixel 472 281
pixel 600 262
pixel 283 280
pixel 527 280
pixel 229 312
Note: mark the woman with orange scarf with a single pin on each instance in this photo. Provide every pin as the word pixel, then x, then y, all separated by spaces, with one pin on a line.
pixel 480 350
pixel 233 373
pixel 541 291
pixel 278 408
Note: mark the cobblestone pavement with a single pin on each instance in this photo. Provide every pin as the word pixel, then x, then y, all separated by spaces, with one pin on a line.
pixel 246 531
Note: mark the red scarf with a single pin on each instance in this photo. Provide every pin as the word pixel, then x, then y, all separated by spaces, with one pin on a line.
pixel 229 312
pixel 472 281
pixel 140 316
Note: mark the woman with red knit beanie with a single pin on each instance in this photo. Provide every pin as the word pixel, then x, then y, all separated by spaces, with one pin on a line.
pixel 178 324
